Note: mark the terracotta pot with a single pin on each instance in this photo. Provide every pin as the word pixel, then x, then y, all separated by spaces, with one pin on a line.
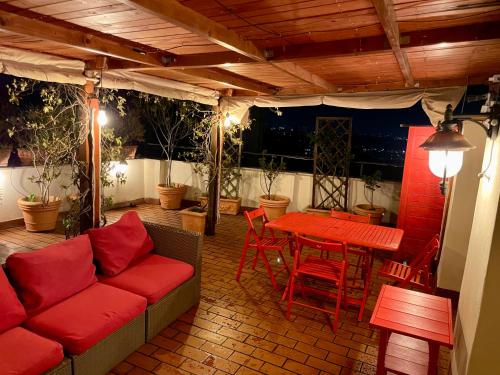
pixel 25 156
pixel 38 217
pixel 318 211
pixel 376 213
pixel 129 152
pixel 171 197
pixel 4 155
pixel 274 207
pixel 226 206
pixel 192 220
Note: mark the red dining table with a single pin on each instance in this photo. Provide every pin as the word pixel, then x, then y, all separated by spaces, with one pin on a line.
pixel 369 236
pixel 359 234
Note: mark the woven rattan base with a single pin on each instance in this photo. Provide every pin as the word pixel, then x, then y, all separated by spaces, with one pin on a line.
pixel 106 354
pixel 170 307
pixel 64 368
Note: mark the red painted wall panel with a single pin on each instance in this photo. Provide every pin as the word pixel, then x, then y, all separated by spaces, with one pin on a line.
pixel 421 203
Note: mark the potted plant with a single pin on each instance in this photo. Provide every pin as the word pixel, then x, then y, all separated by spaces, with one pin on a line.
pixel 371 184
pixel 171 121
pixel 274 205
pixel 51 131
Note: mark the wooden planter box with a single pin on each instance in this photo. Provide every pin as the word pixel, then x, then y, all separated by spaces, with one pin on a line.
pixel 192 220
pixel 226 206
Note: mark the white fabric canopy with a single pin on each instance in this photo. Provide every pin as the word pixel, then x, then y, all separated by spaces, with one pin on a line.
pixel 433 101
pixel 49 68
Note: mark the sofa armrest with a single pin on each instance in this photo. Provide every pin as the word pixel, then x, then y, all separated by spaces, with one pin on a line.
pixel 176 243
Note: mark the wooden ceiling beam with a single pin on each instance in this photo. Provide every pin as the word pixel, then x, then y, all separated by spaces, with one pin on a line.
pixel 188 19
pixel 441 38
pixel 65 35
pixel 387 17
pixel 174 12
pixel 32 27
pixel 231 79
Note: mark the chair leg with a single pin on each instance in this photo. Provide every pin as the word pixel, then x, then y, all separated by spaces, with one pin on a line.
pixel 337 308
pixel 357 268
pixel 366 292
pixel 285 264
pixel 254 262
pixel 242 261
pixel 268 268
pixel 290 297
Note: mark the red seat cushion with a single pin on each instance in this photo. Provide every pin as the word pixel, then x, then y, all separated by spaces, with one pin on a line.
pixel 152 277
pixel 25 353
pixel 117 245
pixel 47 276
pixel 12 313
pixel 83 320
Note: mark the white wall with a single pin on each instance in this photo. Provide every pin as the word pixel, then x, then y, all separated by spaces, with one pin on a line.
pixel 144 174
pixel 14 184
pixel 461 213
pixel 477 328
pixel 296 186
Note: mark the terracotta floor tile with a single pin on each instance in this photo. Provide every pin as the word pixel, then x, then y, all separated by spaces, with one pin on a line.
pixel 240 328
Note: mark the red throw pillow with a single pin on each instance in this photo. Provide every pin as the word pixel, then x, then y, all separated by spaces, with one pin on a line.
pixel 47 276
pixel 12 313
pixel 117 245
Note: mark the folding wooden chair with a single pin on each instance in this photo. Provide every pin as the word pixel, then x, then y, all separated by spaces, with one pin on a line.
pixel 315 267
pixel 418 273
pixel 364 261
pixel 262 243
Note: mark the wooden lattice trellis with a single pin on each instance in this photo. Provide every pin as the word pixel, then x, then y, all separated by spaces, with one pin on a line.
pixel 231 165
pixel 332 151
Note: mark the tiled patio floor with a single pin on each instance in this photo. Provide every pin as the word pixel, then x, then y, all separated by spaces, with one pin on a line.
pixel 239 328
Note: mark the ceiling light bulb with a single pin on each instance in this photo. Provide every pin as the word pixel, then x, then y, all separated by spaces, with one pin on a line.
pixel 102 117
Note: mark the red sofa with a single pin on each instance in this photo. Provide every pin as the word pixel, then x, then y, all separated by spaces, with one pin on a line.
pixel 98 318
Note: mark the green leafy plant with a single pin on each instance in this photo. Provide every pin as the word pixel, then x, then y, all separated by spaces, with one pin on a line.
pixel 172 120
pixel 371 185
pixel 50 128
pixel 271 170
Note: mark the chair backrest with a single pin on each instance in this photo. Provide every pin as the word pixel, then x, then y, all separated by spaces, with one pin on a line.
pixel 334 247
pixel 350 217
pixel 425 256
pixel 251 216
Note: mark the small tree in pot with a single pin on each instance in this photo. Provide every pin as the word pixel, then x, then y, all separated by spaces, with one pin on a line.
pixel 51 131
pixel 371 184
pixel 274 205
pixel 172 120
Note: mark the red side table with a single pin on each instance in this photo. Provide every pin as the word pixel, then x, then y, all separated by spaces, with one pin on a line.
pixel 412 327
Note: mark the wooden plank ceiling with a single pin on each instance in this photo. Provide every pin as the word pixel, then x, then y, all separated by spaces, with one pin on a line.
pixel 268 47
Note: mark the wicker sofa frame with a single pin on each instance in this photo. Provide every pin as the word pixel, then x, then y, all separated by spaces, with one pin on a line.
pixel 64 368
pixel 187 247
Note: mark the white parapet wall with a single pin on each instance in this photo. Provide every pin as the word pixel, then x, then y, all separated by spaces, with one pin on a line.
pixel 143 175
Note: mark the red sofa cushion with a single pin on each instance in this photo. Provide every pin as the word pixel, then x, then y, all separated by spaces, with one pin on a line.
pixel 152 277
pixel 83 320
pixel 117 245
pixel 47 276
pixel 24 352
pixel 12 313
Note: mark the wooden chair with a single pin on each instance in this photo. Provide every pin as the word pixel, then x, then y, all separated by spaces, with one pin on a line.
pixel 364 261
pixel 262 243
pixel 316 267
pixel 418 273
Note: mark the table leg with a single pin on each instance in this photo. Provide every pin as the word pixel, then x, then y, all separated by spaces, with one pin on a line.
pixel 433 358
pixel 382 348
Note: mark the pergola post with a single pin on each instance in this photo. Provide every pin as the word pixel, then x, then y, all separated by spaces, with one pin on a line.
pixel 216 143
pixel 90 154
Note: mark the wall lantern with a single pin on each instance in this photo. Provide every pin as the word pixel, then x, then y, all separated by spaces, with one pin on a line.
pixel 230 120
pixel 447 145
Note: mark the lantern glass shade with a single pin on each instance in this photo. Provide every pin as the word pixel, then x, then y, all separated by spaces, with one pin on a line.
pixel 444 164
pixel 102 117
